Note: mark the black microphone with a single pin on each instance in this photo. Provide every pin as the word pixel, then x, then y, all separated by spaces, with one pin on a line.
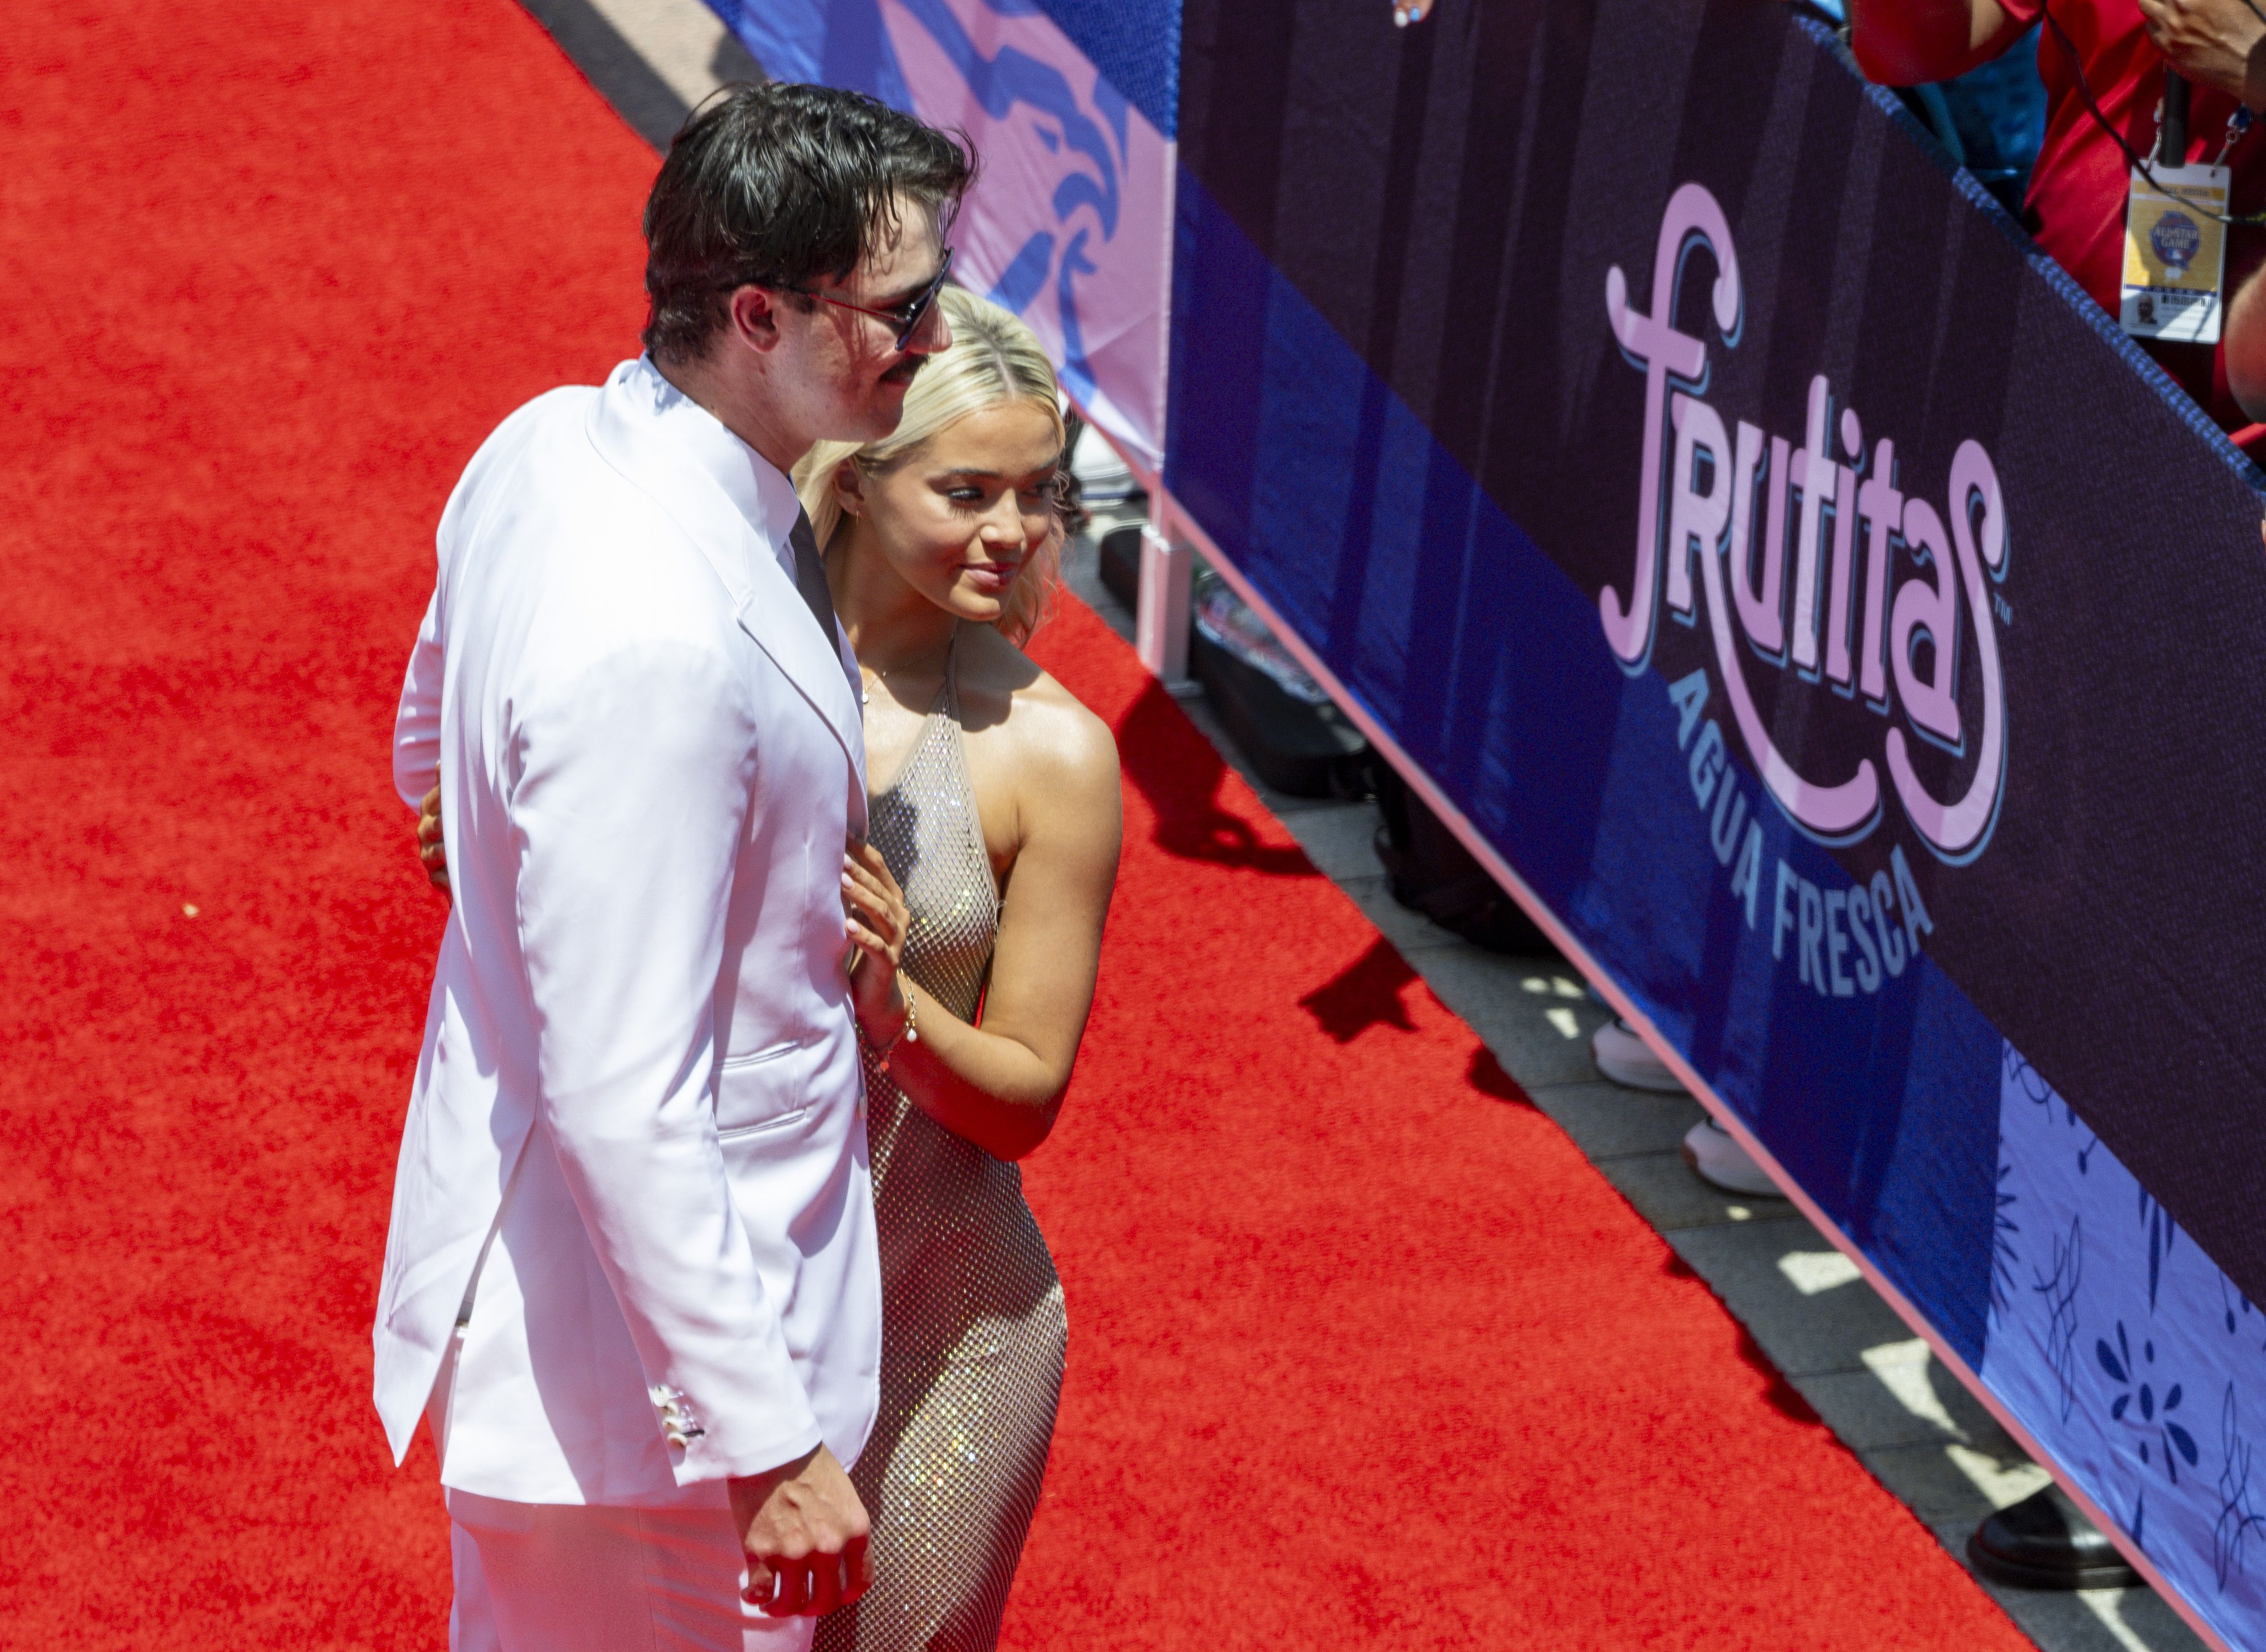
pixel 2172 136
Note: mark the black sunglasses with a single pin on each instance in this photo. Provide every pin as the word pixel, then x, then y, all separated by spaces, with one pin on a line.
pixel 908 316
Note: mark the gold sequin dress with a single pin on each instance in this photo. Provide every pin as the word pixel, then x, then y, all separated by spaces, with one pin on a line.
pixel 973 1331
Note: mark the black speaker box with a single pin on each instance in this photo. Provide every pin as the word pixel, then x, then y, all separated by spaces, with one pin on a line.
pixel 1431 872
pixel 1305 750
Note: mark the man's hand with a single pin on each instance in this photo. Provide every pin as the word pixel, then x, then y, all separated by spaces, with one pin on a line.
pixel 805 1534
pixel 2215 43
pixel 430 848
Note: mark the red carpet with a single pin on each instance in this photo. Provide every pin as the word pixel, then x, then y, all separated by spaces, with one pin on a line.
pixel 1364 1354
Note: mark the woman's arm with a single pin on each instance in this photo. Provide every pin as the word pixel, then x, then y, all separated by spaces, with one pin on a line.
pixel 1001 1086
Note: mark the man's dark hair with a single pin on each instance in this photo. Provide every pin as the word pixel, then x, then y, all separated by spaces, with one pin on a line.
pixel 781 185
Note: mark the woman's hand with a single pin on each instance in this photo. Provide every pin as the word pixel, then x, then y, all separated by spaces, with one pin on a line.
pixel 876 921
pixel 430 848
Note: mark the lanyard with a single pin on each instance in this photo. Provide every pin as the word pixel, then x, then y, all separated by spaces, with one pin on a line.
pixel 2237 125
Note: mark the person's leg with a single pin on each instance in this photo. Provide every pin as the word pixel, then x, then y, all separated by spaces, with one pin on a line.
pixel 695 1571
pixel 572 1579
pixel 471 1622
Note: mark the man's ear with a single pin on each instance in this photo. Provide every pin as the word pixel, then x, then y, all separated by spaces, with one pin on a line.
pixel 754 318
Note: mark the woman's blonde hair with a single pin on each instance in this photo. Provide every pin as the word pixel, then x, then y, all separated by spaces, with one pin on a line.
pixel 994 358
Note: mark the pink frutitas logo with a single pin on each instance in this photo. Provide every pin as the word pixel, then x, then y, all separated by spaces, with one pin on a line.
pixel 1848 627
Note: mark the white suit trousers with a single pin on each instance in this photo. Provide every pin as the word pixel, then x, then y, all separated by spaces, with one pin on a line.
pixel 559 1577
pixel 556 1578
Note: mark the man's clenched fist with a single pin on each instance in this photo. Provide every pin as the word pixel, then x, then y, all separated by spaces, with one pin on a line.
pixel 805 1534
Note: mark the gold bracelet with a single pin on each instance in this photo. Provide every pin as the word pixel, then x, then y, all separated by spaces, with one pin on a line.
pixel 906 1034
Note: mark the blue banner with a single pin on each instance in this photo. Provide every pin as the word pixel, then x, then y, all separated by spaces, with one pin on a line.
pixel 1811 599
pixel 1070 106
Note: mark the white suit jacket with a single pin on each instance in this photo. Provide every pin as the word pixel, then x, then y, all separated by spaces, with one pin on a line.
pixel 639 1114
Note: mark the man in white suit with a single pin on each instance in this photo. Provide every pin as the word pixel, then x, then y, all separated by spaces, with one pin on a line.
pixel 631 1279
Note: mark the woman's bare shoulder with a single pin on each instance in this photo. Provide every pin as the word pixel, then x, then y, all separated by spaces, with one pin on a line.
pixel 1055 736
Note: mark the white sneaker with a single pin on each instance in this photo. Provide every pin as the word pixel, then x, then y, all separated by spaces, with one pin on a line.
pixel 1717 1159
pixel 1626 1059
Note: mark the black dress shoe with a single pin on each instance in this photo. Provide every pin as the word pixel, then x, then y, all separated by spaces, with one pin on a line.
pixel 2043 1542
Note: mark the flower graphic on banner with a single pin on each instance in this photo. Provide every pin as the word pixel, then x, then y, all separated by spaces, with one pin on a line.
pixel 2142 1408
pixel 2031 1085
pixel 2127 1354
pixel 2163 1233
pixel 2059 1286
pixel 2004 1230
pixel 2239 1308
pixel 2239 1518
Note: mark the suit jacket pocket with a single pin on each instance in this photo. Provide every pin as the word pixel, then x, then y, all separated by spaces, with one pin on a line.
pixel 763 1090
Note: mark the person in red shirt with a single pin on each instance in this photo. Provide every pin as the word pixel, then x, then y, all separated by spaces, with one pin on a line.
pixel 2118 50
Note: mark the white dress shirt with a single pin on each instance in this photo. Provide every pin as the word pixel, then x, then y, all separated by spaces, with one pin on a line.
pixel 758 489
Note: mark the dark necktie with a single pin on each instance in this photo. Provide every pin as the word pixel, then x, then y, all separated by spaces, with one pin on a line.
pixel 810 579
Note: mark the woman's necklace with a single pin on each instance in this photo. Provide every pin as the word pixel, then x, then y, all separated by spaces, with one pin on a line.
pixel 882 673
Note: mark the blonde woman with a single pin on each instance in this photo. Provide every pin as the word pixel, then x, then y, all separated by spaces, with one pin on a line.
pixel 995 804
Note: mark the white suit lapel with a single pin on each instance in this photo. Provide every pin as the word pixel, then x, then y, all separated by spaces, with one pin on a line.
pixel 765 600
